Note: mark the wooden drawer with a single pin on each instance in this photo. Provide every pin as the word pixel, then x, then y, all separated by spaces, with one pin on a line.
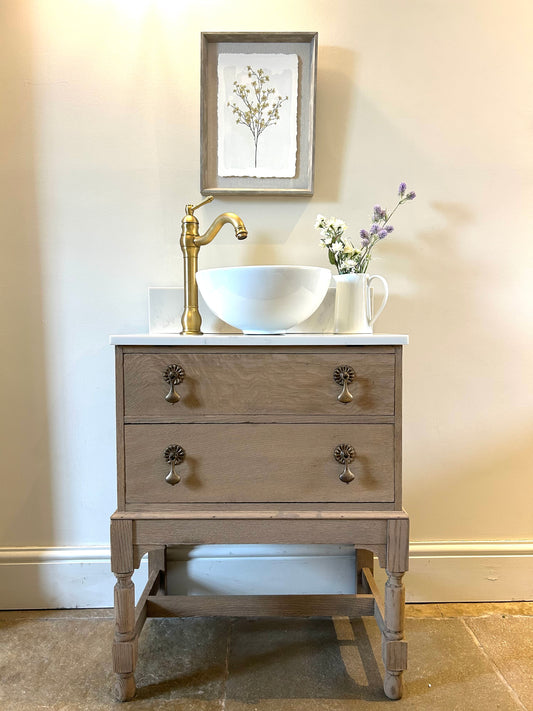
pixel 259 463
pixel 235 384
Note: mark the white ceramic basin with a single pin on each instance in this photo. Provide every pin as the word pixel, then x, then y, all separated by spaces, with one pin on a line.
pixel 264 299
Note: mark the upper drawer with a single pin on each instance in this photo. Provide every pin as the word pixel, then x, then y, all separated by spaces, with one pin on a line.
pixel 258 383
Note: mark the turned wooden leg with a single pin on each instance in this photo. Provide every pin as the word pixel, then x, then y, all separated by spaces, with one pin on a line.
pixel 394 648
pixel 125 643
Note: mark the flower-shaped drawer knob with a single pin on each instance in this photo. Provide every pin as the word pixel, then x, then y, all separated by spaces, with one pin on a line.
pixel 344 454
pixel 174 455
pixel 344 375
pixel 173 375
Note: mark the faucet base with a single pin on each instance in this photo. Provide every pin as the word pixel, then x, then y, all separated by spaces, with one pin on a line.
pixel 191 319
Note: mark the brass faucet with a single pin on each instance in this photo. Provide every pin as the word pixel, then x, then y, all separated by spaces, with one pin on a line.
pixel 190 244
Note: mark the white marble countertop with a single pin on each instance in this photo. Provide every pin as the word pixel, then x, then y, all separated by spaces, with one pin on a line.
pixel 239 339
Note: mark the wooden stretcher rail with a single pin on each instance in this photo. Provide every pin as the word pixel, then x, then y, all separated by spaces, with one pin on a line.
pixel 260 605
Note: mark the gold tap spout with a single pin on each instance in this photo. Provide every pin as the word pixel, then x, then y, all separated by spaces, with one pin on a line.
pixel 190 244
pixel 225 218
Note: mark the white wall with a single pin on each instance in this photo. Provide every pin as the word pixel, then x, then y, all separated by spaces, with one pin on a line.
pixel 100 151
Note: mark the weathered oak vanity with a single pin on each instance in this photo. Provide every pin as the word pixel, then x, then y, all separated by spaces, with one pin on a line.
pixel 259 439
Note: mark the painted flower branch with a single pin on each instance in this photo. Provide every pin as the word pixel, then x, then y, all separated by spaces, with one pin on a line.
pixel 341 252
pixel 261 109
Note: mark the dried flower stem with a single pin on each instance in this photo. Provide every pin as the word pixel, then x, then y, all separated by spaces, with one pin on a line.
pixel 342 253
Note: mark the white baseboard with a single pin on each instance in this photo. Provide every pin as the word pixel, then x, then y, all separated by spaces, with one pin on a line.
pixel 464 571
pixel 442 571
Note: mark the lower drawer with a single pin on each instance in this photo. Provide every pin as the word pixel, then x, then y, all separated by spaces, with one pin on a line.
pixel 232 463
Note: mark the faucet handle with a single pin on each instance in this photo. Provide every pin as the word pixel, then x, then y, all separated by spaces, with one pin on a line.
pixel 189 209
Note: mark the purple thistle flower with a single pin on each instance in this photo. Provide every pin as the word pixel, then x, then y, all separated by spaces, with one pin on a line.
pixel 379 213
pixel 341 252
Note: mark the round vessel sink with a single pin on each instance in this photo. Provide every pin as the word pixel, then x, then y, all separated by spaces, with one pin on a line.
pixel 264 299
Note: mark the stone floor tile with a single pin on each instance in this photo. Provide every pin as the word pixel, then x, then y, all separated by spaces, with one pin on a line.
pixel 284 665
pixel 78 613
pixel 182 658
pixel 508 642
pixel 478 609
pixel 135 705
pixel 278 658
pixel 198 664
pixel 422 610
pixel 66 664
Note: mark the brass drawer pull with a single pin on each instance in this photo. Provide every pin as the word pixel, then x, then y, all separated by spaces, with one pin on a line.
pixel 344 454
pixel 173 375
pixel 174 455
pixel 344 375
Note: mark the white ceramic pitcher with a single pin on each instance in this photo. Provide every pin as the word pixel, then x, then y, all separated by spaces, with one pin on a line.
pixel 354 312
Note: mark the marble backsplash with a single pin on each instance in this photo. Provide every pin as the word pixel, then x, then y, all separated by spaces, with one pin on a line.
pixel 165 305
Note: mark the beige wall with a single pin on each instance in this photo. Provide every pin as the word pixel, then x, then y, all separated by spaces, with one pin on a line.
pixel 100 151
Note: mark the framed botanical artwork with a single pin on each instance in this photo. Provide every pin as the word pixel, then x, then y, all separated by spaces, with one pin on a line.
pixel 258 94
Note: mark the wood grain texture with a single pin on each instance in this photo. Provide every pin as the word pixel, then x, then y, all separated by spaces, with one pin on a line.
pixel 310 418
pixel 398 417
pixel 394 606
pixel 368 534
pixel 192 513
pixel 157 563
pixel 398 545
pixel 124 650
pixel 237 383
pixel 379 606
pixel 260 605
pixel 121 546
pixel 395 655
pixel 363 559
pixel 124 657
pixel 393 684
pixel 119 397
pixel 241 463
pixel 131 510
pixel 125 687
pixel 156 560
pixel 141 608
pixel 394 648
pixel 124 596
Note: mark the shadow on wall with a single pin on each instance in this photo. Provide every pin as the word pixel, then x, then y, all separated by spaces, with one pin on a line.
pixel 433 283
pixel 468 454
pixel 336 87
pixel 25 474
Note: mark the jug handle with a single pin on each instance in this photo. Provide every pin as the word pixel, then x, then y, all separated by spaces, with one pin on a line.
pixel 385 296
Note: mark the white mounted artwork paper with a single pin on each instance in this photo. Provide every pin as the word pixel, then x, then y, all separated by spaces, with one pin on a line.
pixel 273 155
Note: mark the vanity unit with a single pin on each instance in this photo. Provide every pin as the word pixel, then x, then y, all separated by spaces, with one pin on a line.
pixel 259 439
